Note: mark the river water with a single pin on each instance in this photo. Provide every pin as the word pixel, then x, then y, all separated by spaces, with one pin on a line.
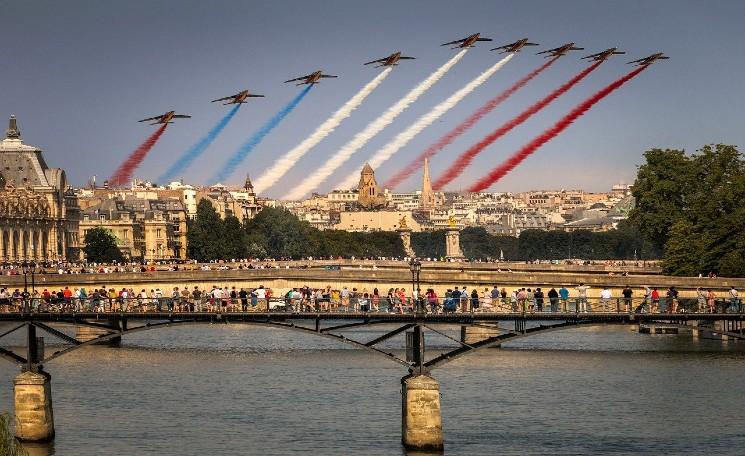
pixel 243 390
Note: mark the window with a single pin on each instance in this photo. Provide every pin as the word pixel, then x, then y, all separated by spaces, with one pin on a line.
pixel 158 233
pixel 126 235
pixel 102 217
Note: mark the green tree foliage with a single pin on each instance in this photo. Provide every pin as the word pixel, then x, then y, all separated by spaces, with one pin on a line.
pixel 205 234
pixel 235 243
pixel 429 244
pixel 701 196
pixel 100 246
pixel 622 243
pixel 9 446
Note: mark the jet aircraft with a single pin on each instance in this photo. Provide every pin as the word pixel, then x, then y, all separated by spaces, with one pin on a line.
pixel 514 47
pixel 390 60
pixel 238 98
pixel 651 59
pixel 166 118
pixel 561 50
pixel 312 78
pixel 467 41
pixel 601 56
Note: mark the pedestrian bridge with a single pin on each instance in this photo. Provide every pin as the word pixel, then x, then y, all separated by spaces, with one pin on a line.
pixel 421 405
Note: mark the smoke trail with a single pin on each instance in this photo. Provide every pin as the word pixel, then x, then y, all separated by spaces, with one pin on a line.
pixel 281 166
pixel 465 158
pixel 405 136
pixel 453 134
pixel 197 149
pixel 385 119
pixel 237 158
pixel 123 174
pixel 500 171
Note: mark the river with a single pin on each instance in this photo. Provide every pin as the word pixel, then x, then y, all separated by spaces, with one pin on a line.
pixel 242 390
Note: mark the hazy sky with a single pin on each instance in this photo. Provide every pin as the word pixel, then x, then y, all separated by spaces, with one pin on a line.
pixel 79 74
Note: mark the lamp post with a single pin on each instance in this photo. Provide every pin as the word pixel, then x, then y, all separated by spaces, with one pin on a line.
pixel 28 268
pixel 415 266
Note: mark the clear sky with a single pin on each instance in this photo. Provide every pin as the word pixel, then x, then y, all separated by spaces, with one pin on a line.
pixel 79 74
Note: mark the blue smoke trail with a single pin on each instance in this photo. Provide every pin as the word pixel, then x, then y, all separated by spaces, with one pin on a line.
pixel 257 137
pixel 197 149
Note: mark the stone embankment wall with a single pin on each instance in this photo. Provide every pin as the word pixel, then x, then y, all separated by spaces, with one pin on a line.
pixel 440 278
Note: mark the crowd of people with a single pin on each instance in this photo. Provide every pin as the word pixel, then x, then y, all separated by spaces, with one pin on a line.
pixel 398 300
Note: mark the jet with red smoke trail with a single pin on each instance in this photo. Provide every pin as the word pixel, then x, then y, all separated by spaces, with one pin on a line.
pixel 561 50
pixel 238 98
pixel 166 118
pixel 391 60
pixel 601 56
pixel 467 42
pixel 313 78
pixel 514 47
pixel 650 60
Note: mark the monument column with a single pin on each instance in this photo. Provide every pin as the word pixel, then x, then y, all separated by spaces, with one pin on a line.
pixel 452 241
pixel 405 232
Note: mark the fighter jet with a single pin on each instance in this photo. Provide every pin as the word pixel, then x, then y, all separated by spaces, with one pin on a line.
pixel 312 78
pixel 467 41
pixel 514 47
pixel 601 56
pixel 561 50
pixel 649 60
pixel 238 98
pixel 391 60
pixel 166 118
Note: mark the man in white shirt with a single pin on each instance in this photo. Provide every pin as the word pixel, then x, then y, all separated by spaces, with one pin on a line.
pixel 605 297
pixel 582 297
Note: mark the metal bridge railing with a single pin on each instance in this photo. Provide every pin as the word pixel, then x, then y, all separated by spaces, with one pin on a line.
pixel 370 304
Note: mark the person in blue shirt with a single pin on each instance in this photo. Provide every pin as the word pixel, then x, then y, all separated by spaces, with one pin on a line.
pixel 564 295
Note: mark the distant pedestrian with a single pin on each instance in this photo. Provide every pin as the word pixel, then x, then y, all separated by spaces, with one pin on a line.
pixel 553 298
pixel 700 300
pixel 474 300
pixel 734 300
pixel 582 297
pixel 711 300
pixel 605 298
pixel 538 295
pixel 627 301
pixel 564 296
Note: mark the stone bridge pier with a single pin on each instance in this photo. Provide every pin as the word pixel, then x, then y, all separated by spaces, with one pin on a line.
pixel 33 406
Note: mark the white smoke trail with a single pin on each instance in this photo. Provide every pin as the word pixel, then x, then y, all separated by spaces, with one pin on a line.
pixel 284 163
pixel 372 129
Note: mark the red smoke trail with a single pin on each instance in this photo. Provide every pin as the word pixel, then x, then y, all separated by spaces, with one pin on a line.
pixel 467 157
pixel 123 174
pixel 451 136
pixel 500 171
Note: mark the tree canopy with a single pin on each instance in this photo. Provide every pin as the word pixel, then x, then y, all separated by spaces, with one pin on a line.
pixel 691 208
pixel 100 246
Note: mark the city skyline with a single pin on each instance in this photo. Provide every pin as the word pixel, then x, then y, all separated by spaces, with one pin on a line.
pixel 86 75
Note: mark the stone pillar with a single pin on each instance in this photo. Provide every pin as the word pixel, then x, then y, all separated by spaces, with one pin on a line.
pixel 33 407
pixel 405 234
pixel 421 419
pixel 471 334
pixel 452 244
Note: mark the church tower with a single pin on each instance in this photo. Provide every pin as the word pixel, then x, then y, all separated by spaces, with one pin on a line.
pixel 427 198
pixel 368 192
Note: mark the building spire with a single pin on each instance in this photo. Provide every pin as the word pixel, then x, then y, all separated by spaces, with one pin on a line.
pixel 427 198
pixel 248 186
pixel 13 132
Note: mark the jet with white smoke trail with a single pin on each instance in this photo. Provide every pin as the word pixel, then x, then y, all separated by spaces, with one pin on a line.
pixel 280 167
pixel 372 129
pixel 426 120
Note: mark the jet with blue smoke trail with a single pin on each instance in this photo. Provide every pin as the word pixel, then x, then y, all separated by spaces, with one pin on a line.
pixel 198 149
pixel 237 158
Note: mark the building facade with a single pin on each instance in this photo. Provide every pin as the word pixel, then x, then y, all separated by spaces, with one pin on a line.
pixel 38 214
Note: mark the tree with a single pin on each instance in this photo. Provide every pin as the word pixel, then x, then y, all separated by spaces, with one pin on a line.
pixel 205 235
pixel 8 444
pixel 683 250
pixel 234 244
pixel 100 246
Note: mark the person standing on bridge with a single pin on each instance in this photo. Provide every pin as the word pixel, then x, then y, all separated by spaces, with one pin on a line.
pixel 553 298
pixel 711 300
pixel 243 294
pixel 734 300
pixel 474 300
pixel 564 296
pixel 582 297
pixel 605 297
pixel 539 299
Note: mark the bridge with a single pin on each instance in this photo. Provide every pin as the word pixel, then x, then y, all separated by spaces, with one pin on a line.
pixel 421 423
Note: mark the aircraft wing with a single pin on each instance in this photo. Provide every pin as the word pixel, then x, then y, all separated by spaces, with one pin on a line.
pixel 406 58
pixel 254 96
pixel 501 47
pixel 546 51
pixel 181 116
pixel 151 118
pixel 301 78
pixel 484 39
pixel 222 99
pixel 637 61
pixel 328 76
pixel 377 61
pixel 453 42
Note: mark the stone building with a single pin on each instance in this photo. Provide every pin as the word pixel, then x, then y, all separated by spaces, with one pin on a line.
pixel 369 194
pixel 145 229
pixel 38 213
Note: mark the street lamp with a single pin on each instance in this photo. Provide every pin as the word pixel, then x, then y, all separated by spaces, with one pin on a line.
pixel 28 268
pixel 415 266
